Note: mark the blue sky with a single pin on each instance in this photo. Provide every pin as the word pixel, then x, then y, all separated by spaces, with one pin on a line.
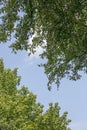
pixel 72 96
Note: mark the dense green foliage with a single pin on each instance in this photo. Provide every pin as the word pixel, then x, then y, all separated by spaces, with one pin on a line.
pixel 62 24
pixel 19 109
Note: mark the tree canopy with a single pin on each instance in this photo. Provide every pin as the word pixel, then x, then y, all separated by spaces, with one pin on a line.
pixel 19 109
pixel 62 24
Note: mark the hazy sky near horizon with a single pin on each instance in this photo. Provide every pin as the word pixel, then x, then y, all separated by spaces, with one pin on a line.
pixel 71 96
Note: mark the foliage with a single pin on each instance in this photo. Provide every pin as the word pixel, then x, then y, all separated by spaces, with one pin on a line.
pixel 62 24
pixel 19 109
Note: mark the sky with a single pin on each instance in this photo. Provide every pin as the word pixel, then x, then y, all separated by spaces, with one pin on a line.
pixel 71 96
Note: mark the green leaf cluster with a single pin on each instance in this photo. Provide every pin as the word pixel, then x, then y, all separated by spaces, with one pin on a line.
pixel 62 24
pixel 19 109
